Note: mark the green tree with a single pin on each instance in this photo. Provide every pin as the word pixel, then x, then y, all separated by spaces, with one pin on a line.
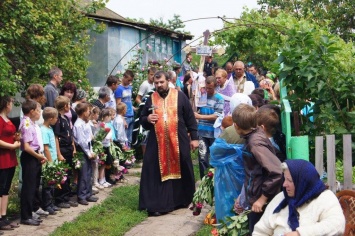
pixel 36 35
pixel 339 13
pixel 318 66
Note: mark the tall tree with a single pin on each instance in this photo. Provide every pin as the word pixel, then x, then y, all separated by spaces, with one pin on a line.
pixel 38 34
pixel 339 13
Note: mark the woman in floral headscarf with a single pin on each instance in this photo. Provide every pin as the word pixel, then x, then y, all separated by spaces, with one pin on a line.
pixel 304 207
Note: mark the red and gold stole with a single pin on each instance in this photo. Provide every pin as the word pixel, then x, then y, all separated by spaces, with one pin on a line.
pixel 166 129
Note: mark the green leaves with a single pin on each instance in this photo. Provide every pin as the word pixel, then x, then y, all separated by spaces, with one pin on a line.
pixel 36 35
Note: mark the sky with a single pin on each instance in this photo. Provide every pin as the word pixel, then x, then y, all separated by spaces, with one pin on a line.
pixel 187 9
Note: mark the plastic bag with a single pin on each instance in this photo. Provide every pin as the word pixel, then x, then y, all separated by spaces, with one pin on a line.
pixel 229 175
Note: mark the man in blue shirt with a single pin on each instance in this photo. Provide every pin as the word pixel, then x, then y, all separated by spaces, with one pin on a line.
pixel 206 116
pixel 123 94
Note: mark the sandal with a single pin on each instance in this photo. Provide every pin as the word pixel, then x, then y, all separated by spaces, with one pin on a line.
pixel 11 224
pixel 5 227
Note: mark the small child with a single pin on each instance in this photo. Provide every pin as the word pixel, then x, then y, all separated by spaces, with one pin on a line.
pixel 105 116
pixel 261 165
pixel 268 119
pixel 31 159
pixel 82 138
pixel 227 121
pixel 119 126
pixel 93 122
pixel 50 117
pixel 66 149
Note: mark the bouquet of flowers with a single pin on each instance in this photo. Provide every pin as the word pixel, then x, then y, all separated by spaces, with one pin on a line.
pixel 97 146
pixel 118 171
pixel 55 174
pixel 128 157
pixel 203 193
pixel 125 157
pixel 78 160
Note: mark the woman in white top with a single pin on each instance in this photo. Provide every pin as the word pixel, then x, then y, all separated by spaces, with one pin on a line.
pixel 304 207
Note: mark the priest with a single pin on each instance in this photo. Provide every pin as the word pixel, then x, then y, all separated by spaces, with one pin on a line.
pixel 167 179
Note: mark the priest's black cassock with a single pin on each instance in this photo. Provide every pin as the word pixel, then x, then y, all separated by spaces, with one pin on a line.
pixel 156 195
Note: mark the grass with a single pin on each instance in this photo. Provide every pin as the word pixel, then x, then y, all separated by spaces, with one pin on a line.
pixel 114 216
pixel 205 230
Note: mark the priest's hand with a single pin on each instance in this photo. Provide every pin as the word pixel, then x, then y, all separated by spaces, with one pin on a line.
pixel 193 144
pixel 153 118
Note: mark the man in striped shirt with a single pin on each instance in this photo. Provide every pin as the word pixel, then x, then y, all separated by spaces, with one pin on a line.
pixel 206 116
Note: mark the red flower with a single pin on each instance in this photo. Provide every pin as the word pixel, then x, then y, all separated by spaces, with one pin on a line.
pixel 102 125
pixel 214 232
pixel 210 174
pixel 107 129
pixel 199 205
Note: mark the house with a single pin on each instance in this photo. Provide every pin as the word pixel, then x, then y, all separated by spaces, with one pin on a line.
pixel 113 48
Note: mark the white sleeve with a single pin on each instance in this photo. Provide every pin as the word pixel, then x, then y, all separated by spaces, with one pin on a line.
pixel 142 89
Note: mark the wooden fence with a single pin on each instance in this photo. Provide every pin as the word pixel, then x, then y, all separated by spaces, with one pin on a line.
pixel 331 159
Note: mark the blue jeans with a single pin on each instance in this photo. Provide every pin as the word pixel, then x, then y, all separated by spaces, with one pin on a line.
pixel 129 130
pixel 203 154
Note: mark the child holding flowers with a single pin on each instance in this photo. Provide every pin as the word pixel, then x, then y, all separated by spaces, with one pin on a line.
pixel 31 159
pixel 94 117
pixel 65 149
pixel 50 117
pixel 82 138
pixel 104 136
pixel 119 126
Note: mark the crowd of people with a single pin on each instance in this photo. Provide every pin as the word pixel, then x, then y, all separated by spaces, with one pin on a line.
pixel 55 125
pixel 178 114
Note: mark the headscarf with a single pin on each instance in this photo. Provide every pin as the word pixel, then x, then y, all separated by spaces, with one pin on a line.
pixel 307 187
pixel 239 98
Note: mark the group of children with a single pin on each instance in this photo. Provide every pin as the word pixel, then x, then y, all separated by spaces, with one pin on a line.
pixel 263 151
pixel 58 140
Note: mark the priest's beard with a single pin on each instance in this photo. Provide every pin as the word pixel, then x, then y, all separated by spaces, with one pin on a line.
pixel 163 93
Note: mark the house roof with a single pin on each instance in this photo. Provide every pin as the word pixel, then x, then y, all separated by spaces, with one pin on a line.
pixel 106 14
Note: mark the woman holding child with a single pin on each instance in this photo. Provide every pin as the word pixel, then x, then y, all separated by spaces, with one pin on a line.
pixel 9 142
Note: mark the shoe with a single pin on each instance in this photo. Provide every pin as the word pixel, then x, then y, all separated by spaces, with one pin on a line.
pixel 94 188
pixel 39 220
pixel 4 226
pixel 63 205
pixel 112 182
pixel 41 212
pixel 95 192
pixel 105 185
pixel 92 199
pixel 35 215
pixel 154 214
pixel 29 222
pixel 50 211
pixel 10 223
pixel 72 203
pixel 83 202
pixel 98 186
pixel 55 208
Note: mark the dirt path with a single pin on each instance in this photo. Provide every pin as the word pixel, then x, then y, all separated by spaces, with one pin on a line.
pixel 50 223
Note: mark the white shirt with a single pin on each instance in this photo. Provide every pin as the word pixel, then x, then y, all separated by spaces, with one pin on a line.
pixel 145 88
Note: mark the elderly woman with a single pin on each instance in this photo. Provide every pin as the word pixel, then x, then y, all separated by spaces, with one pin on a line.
pixel 304 207
pixel 226 88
